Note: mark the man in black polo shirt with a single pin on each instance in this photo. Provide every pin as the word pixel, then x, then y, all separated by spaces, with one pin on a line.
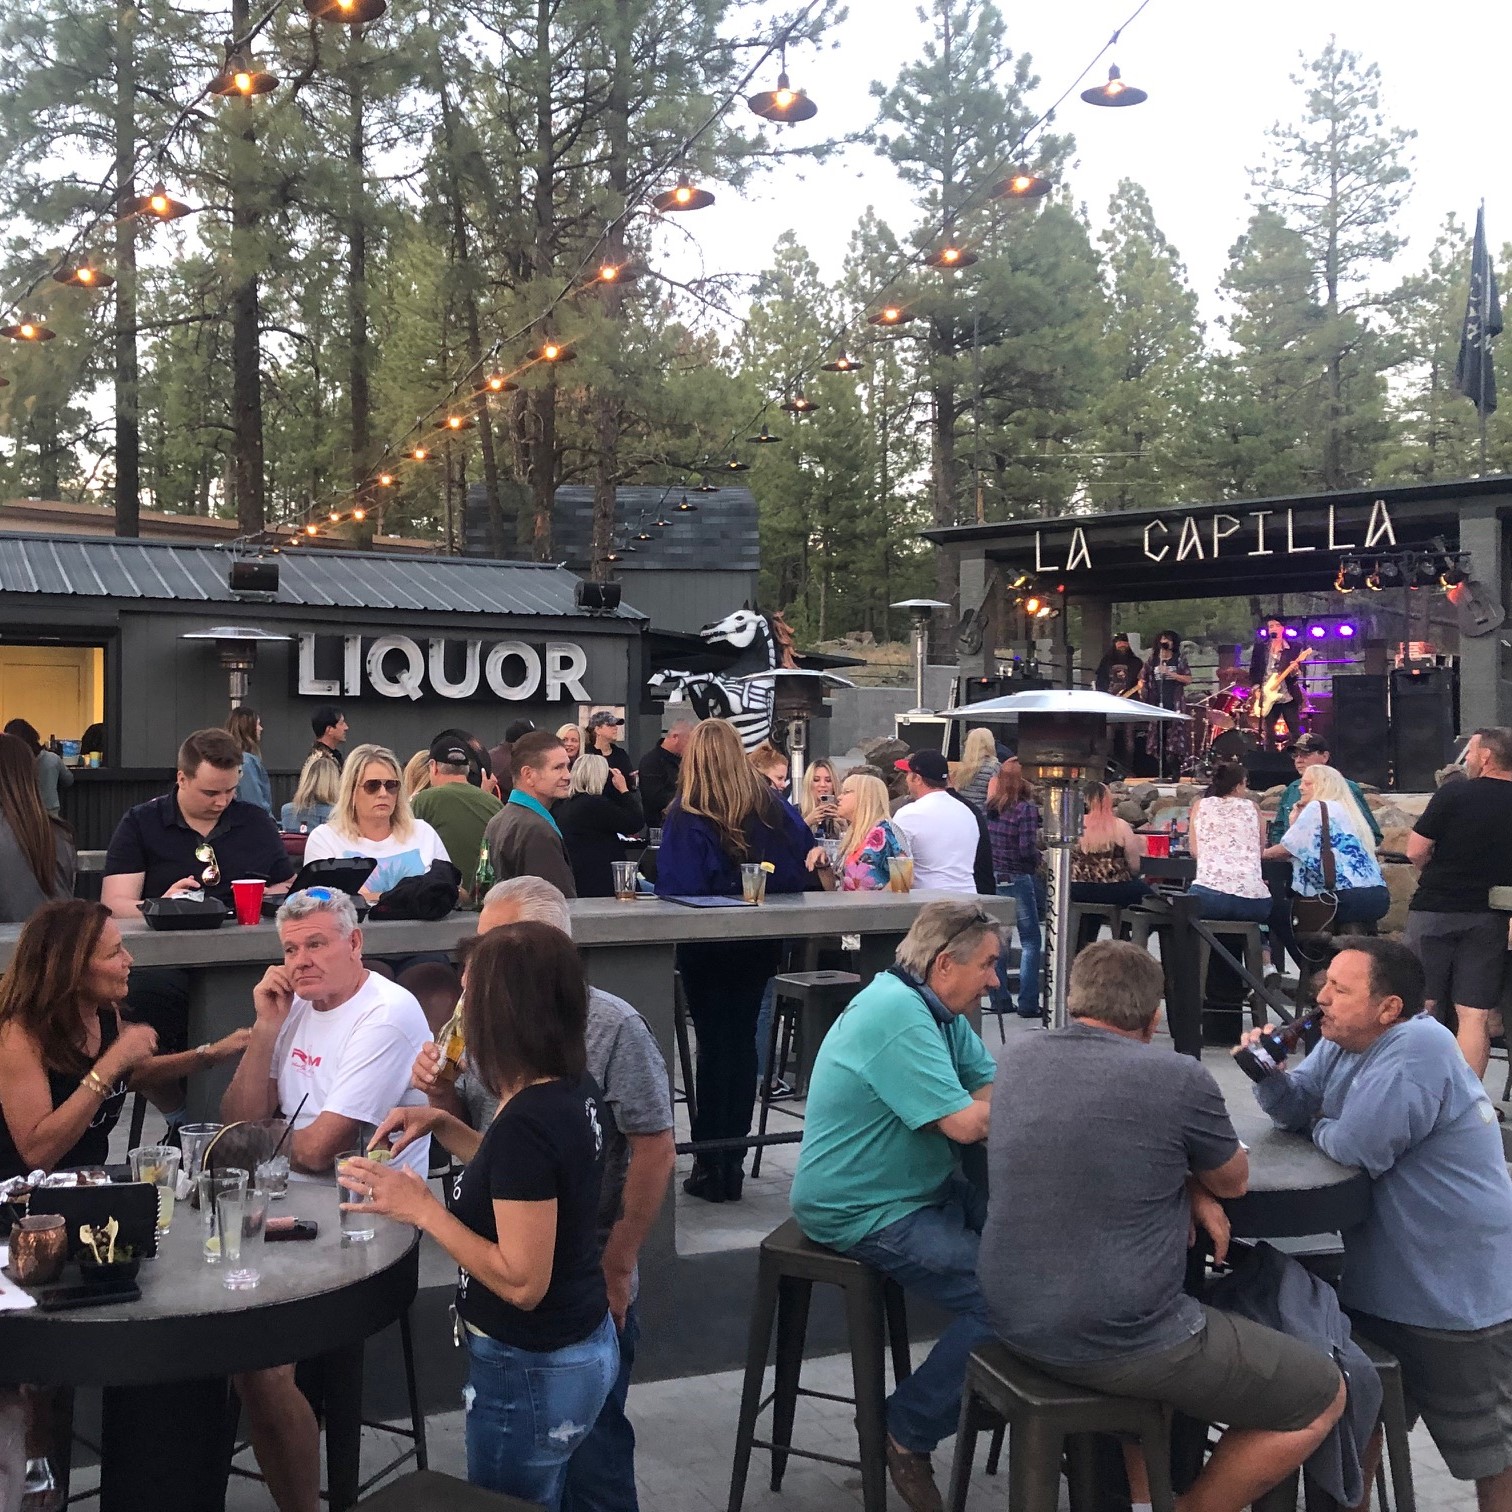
pixel 199 836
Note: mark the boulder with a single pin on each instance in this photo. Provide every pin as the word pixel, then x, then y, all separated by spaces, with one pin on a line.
pixel 1130 812
pixel 1390 817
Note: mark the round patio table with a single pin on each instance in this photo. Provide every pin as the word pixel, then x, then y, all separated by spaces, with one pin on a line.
pixel 165 1442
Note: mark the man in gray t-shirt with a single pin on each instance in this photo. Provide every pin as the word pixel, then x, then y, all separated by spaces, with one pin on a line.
pixel 1103 1150
pixel 639 1153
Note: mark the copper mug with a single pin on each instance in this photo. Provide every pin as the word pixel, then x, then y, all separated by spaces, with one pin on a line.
pixel 38 1248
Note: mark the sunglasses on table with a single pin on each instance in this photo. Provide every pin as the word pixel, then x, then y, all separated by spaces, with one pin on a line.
pixel 204 853
pixel 376 785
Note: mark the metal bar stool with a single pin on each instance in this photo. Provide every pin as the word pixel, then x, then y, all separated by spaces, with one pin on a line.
pixel 1253 941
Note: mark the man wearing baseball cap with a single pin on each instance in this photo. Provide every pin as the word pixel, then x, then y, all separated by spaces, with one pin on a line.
pixel 453 807
pixel 602 728
pixel 941 828
pixel 1305 751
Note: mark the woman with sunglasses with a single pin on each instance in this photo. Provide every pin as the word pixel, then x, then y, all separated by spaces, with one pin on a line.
pixel 372 818
pixel 67 1057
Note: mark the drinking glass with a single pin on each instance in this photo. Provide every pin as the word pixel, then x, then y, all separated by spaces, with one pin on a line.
pixel 624 879
pixel 192 1139
pixel 273 1177
pixel 357 1226
pixel 900 874
pixel 212 1186
pixel 653 836
pixel 158 1164
pixel 256 1212
pixel 753 881
pixel 231 1213
pixel 832 850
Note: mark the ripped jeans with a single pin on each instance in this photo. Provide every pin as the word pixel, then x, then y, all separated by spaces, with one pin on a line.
pixel 527 1411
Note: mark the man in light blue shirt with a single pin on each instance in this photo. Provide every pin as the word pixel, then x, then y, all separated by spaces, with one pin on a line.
pixel 900 1080
pixel 1426 1273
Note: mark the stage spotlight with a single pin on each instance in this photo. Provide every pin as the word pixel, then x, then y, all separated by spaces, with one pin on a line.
pixel 1317 631
pixel 1292 632
pixel 1346 631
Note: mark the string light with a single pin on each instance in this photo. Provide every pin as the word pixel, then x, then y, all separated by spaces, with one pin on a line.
pixel 1021 184
pixel 735 465
pixel 386 480
pixel 158 204
pixel 842 364
pixel 784 105
pixel 1115 92
pixel 456 423
pixel 800 404
pixel 553 351
pixel 359 515
pixel 682 196
pixel 891 315
pixel 684 506
pixel 83 276
pixel 30 328
pixel 949 257
pixel 346 12
pixel 766 438
pixel 240 75
pixel 419 454
pixel 499 383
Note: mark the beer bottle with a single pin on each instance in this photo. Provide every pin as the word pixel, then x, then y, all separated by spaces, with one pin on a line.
pixel 1264 1057
pixel 483 878
pixel 453 1046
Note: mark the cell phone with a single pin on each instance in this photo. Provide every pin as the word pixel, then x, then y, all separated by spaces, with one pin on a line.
pixel 61 1298
pixel 289 1229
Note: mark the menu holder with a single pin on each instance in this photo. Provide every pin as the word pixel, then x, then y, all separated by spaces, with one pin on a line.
pixel 714 902
pixel 133 1204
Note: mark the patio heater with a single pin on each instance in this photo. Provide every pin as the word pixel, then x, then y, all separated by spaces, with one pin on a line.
pixel 798 695
pixel 920 611
pixel 237 645
pixel 1062 743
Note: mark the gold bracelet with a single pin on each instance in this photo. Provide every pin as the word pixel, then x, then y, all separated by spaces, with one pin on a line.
pixel 93 1082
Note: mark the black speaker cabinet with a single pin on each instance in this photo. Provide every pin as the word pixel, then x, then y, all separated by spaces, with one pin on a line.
pixel 928 732
pixel 1359 745
pixel 1422 726
pixel 1264 770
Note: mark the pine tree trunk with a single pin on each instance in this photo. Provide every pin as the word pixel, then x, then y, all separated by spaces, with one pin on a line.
pixel 943 482
pixel 128 400
pixel 359 354
pixel 543 440
pixel 246 356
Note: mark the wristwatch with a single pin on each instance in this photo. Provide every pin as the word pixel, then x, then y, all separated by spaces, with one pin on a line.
pixel 203 1051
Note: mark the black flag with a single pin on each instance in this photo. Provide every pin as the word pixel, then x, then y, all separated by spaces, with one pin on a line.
pixel 1474 375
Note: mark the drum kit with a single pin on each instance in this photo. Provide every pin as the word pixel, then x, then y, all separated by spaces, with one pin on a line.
pixel 1227 726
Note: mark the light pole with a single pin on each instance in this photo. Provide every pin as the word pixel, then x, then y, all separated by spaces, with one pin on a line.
pixel 921 611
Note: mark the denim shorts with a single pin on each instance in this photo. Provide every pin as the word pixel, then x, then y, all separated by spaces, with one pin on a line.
pixel 528 1410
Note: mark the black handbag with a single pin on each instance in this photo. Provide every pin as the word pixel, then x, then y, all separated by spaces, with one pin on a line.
pixel 1315 915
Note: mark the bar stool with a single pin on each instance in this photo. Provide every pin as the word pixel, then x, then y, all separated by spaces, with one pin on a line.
pixel 1106 913
pixel 1253 943
pixel 875 1316
pixel 1042 1414
pixel 820 998
pixel 1398 1450
pixel 430 1491
pixel 684 1054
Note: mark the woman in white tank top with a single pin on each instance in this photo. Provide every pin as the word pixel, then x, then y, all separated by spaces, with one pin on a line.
pixel 1227 836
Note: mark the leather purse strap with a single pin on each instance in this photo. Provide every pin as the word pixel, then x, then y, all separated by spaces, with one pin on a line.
pixel 1329 874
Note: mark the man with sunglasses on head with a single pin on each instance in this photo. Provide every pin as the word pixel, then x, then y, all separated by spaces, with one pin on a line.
pixel 900 1082
pixel 199 837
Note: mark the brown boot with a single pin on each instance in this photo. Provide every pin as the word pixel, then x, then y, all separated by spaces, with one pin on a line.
pixel 913 1477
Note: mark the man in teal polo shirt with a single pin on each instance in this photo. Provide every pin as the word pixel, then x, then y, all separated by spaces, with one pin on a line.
pixel 899 1082
pixel 1306 751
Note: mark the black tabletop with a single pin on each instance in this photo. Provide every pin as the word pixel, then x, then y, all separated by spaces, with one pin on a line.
pixel 314 1296
pixel 1184 869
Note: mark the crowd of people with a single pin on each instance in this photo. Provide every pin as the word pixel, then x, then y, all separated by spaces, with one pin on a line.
pixel 1102 1155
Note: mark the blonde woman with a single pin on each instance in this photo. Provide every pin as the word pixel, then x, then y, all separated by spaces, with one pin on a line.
pixel 868 839
pixel 600 807
pixel 726 815
pixel 817 796
pixel 572 741
pixel 372 818
pixel 417 773
pixel 314 798
pixel 972 775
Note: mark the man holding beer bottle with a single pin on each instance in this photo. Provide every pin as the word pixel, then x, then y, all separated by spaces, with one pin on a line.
pixel 1425 1273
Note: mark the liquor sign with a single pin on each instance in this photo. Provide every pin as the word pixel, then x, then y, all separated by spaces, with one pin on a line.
pixel 398 666
pixel 1189 538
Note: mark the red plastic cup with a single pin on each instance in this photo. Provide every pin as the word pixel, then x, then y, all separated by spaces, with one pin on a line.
pixel 247 897
pixel 1157 845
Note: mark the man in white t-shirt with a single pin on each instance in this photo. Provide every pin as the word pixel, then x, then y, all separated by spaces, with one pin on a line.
pixel 329 1028
pixel 940 828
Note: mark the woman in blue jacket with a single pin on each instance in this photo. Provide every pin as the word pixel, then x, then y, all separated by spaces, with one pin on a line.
pixel 725 816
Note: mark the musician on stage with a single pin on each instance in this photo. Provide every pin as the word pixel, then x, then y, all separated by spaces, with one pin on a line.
pixel 1270 658
pixel 1118 673
pixel 1166 675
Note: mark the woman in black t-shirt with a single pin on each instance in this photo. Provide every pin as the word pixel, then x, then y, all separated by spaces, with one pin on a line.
pixel 530 1288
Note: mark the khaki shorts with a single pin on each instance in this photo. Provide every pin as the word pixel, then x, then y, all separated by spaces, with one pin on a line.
pixel 1234 1372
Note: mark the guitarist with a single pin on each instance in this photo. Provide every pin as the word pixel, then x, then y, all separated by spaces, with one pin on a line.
pixel 1270 657
pixel 1119 673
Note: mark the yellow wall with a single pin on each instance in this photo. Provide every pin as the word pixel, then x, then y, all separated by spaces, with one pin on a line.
pixel 59 689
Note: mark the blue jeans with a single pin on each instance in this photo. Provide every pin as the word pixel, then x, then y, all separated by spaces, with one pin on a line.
pixel 764 1033
pixel 1025 897
pixel 601 1472
pixel 1221 905
pixel 528 1411
pixel 934 1252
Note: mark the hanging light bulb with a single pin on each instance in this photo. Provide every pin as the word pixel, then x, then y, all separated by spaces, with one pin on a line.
pixel 498 383
pixel 346 12
pixel 1021 184
pixel 28 328
pixel 335 518
pixel 661 522
pixel 783 104
pixel 890 315
pixel 766 438
pixel 454 423
pixel 241 75
pixel 616 273
pixel 159 205
pixel 611 555
pixel 312 529
pixel 949 257
pixel 682 196
pixel 1114 92
pixel 843 364
pixel 359 515
pixel 705 487
pixel 419 454
pixel 553 351
pixel 735 465
pixel 644 535
pixel 683 506
pixel 83 276
pixel 386 480
pixel 800 404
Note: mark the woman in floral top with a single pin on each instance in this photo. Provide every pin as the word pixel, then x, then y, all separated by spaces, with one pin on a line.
pixel 869 837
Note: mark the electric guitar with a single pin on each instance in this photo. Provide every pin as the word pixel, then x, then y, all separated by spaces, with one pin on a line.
pixel 1268 694
pixel 1133 692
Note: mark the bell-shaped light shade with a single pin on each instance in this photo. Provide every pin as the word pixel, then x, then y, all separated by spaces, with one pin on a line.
pixel 644 535
pixel 1115 92
pixel 949 257
pixel 499 383
pixel 419 454
pixel 799 404
pixel 783 104
pixel 616 273
pixel 891 315
pixel 242 76
pixel 386 480
pixel 159 205
pixel 553 351
pixel 453 423
pixel 28 328
pixel 843 364
pixel 766 438
pixel 660 522
pixel 84 276
pixel 684 506
pixel 359 515
pixel 346 12
pixel 1021 184
pixel 735 465
pixel 705 487
pixel 682 196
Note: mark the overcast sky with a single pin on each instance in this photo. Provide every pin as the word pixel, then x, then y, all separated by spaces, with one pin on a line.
pixel 1217 75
